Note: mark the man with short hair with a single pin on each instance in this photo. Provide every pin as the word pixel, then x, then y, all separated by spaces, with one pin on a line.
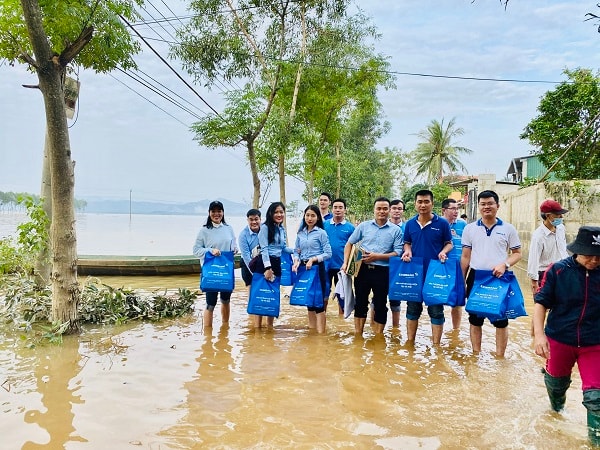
pixel 338 230
pixel 427 236
pixel 488 244
pixel 324 203
pixel 379 241
pixel 548 242
pixel 397 208
pixel 249 247
pixel 450 213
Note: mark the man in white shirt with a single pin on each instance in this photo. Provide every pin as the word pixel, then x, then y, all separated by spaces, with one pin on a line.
pixel 548 242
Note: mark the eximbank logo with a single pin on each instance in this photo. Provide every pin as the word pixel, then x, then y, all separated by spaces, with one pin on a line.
pixel 441 275
pixel 489 288
pixel 408 275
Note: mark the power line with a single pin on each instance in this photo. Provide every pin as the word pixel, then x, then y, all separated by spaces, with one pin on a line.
pixel 170 67
pixel 148 100
pixel 158 92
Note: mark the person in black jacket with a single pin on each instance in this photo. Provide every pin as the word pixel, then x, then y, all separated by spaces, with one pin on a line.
pixel 570 291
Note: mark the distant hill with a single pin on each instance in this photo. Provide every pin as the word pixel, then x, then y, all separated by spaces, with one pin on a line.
pixel 105 206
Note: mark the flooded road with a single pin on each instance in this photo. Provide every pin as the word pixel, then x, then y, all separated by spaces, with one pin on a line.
pixel 171 386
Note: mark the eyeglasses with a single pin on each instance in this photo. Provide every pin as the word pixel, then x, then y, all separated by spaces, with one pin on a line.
pixel 487 204
pixel 453 208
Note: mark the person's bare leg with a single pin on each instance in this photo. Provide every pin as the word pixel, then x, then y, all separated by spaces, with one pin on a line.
pixel 321 322
pixel 258 321
pixel 475 334
pixel 501 341
pixel 396 319
pixel 270 320
pixel 208 318
pixel 225 312
pixel 359 325
pixel 312 319
pixel 436 333
pixel 456 314
pixel 411 329
pixel 378 327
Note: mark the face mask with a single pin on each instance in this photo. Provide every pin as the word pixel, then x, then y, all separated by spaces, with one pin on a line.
pixel 557 222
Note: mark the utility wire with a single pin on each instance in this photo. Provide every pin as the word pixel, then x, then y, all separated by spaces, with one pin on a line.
pixel 148 100
pixel 159 92
pixel 170 67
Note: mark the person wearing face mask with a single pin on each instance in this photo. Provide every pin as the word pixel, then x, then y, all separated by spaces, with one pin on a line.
pixel 548 242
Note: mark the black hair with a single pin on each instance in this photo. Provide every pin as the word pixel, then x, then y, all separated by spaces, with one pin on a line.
pixel 397 202
pixel 446 202
pixel 423 193
pixel 381 199
pixel 488 194
pixel 272 227
pixel 326 194
pixel 253 212
pixel 317 211
pixel 339 200
pixel 215 206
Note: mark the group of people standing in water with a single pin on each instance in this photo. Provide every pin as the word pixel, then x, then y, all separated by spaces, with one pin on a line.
pixel 566 320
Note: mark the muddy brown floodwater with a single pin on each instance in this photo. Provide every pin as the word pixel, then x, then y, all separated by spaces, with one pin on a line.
pixel 170 385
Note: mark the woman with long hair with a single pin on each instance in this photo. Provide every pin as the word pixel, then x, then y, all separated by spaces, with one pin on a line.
pixel 272 239
pixel 313 248
pixel 214 237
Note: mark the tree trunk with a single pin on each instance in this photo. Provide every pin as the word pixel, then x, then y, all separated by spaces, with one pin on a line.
pixel 43 264
pixel 254 172
pixel 65 289
pixel 338 158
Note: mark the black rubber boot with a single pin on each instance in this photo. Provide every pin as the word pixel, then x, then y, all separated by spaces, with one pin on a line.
pixel 591 400
pixel 557 390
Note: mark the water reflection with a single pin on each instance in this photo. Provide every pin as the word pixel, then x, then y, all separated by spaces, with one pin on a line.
pixel 54 370
pixel 170 385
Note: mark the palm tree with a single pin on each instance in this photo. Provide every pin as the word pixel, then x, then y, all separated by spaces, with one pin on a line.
pixel 437 151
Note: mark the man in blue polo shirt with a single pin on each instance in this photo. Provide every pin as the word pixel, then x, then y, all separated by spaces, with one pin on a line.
pixel 379 241
pixel 457 225
pixel 427 236
pixel 338 230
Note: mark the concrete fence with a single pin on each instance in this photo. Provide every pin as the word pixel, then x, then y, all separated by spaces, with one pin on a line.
pixel 521 207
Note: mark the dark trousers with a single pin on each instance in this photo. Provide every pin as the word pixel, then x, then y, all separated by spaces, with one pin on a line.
pixel 372 278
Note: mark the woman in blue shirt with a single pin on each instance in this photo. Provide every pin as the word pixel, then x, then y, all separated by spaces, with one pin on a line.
pixel 214 237
pixel 273 241
pixel 313 248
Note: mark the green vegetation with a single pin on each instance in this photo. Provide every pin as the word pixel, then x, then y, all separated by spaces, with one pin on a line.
pixel 437 151
pixel 558 130
pixel 28 308
pixel 32 238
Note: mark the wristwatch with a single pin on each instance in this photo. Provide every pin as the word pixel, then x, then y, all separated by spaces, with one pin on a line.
pixel 507 265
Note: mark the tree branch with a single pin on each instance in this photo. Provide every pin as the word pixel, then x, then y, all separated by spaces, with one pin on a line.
pixel 69 53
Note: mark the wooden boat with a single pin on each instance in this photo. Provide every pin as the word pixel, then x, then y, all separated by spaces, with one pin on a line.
pixel 137 265
pixel 140 265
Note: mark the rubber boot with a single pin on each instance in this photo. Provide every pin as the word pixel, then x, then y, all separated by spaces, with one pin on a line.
pixel 591 400
pixel 557 390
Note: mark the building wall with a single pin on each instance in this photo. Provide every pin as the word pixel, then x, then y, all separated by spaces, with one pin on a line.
pixel 521 207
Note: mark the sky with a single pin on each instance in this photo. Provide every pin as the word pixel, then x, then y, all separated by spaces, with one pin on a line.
pixel 125 145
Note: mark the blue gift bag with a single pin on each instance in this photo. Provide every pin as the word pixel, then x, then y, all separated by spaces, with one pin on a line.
pixel 217 273
pixel 264 296
pixel 488 297
pixel 307 288
pixel 439 287
pixel 459 288
pixel 287 276
pixel 515 305
pixel 406 279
